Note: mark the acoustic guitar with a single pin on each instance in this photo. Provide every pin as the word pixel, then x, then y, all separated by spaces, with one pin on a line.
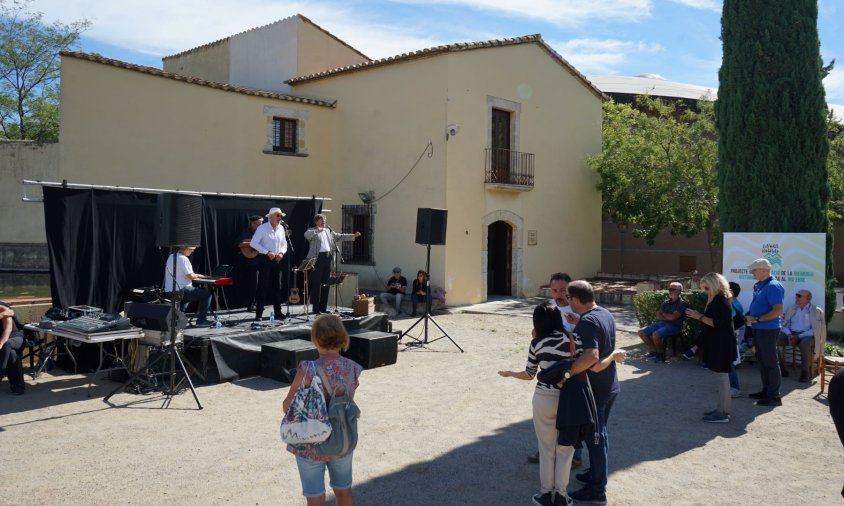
pixel 247 251
pixel 294 296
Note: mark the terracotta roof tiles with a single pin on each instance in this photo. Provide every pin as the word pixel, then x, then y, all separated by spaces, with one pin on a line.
pixel 195 80
pixel 450 48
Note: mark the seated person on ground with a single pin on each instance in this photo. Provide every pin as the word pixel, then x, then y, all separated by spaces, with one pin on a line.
pixel 418 293
pixel 395 290
pixel 803 325
pixel 669 322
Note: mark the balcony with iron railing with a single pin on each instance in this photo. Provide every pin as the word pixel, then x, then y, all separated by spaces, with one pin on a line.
pixel 508 170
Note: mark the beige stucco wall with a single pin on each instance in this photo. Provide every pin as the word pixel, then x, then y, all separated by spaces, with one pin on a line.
pixel 210 62
pixel 385 118
pixel 559 120
pixel 23 222
pixel 122 127
pixel 317 51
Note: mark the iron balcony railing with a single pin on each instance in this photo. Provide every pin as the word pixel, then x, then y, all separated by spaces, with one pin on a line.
pixel 504 166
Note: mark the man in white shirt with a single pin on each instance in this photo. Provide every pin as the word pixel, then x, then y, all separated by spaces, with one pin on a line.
pixel 270 241
pixel 184 284
pixel 803 326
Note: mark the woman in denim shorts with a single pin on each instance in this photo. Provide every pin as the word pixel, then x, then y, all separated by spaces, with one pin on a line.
pixel 330 338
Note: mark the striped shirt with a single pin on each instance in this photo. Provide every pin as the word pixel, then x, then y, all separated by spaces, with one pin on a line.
pixel 544 352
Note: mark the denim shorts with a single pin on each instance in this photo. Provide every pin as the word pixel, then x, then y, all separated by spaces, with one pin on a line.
pixel 664 328
pixel 312 474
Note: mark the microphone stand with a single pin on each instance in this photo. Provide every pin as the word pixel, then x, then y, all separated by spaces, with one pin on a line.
pixel 290 251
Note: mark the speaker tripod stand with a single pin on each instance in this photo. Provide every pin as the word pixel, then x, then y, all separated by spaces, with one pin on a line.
pixel 425 318
pixel 172 351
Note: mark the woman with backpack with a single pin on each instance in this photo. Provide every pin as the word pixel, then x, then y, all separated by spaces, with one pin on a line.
pixel 339 377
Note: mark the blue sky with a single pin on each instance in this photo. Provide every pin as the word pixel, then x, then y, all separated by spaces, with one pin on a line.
pixel 677 39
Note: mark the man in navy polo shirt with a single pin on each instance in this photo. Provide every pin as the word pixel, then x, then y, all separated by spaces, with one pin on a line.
pixel 764 317
pixel 596 329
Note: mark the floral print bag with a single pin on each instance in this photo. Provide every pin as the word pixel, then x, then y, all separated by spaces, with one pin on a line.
pixel 306 420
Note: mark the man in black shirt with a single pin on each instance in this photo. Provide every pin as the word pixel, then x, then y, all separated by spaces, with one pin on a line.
pixel 248 261
pixel 396 288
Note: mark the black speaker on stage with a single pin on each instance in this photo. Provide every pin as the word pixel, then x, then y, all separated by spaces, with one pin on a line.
pixel 372 349
pixel 154 316
pixel 431 225
pixel 179 220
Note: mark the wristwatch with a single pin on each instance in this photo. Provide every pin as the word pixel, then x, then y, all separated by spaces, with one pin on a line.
pixel 567 375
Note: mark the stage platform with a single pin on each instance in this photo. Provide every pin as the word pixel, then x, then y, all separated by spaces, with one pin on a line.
pixel 234 350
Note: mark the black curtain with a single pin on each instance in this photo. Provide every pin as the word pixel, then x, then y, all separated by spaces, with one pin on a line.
pixel 102 243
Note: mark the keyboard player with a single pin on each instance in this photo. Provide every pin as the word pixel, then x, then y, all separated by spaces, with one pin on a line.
pixel 184 284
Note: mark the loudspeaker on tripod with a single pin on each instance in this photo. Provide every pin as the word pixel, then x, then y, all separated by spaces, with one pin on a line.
pixel 154 316
pixel 179 220
pixel 431 226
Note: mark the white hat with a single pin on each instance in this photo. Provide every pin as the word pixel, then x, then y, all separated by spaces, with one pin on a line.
pixel 276 210
pixel 760 263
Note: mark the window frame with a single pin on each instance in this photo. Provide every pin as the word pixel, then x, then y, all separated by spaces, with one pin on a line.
pixel 367 240
pixel 292 126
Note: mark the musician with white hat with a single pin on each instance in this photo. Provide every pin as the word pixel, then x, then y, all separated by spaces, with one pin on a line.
pixel 270 241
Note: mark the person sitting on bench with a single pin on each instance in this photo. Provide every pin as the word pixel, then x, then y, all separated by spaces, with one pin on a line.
pixel 184 284
pixel 803 322
pixel 668 323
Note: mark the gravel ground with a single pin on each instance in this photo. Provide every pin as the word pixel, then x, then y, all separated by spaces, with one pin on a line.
pixel 439 427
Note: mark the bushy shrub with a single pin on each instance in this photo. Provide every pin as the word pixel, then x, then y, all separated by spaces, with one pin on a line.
pixel 648 303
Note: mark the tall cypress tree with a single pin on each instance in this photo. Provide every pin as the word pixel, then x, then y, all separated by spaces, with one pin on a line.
pixel 771 119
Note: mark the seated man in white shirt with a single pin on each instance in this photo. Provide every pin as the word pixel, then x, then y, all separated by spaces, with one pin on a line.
pixel 802 324
pixel 184 284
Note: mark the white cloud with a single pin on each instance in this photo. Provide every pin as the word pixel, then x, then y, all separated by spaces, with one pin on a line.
pixel 558 12
pixel 834 85
pixel 164 27
pixel 595 57
pixel 707 5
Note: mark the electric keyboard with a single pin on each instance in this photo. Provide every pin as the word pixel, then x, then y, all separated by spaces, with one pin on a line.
pixel 214 281
pixel 93 325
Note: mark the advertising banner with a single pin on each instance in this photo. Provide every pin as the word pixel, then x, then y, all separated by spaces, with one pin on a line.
pixel 798 261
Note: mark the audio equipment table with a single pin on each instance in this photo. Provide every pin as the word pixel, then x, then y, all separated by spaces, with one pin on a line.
pixel 101 338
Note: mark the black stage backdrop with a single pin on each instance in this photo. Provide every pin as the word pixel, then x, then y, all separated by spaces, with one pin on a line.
pixel 102 242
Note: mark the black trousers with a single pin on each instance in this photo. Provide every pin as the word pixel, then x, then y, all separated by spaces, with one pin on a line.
pixel 247 279
pixel 836 404
pixel 10 361
pixel 270 283
pixel 316 283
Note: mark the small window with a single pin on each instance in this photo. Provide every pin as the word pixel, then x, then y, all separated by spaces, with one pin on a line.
pixel 359 219
pixel 284 135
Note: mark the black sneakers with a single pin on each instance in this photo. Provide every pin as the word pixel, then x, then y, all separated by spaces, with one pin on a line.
pixel 757 395
pixel 769 401
pixel 546 499
pixel 588 496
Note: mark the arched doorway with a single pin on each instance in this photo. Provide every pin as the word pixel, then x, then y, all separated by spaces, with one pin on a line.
pixel 499 258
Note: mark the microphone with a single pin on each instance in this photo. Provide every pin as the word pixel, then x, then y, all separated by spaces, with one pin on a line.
pixel 283 224
pixel 329 228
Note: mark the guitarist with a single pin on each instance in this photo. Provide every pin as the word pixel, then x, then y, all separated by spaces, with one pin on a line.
pixel 270 240
pixel 248 261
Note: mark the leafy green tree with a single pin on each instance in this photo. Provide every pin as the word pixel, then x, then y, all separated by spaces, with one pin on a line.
pixel 29 70
pixel 657 169
pixel 771 120
pixel 835 168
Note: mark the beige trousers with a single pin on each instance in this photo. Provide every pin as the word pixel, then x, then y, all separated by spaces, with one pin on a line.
pixel 554 459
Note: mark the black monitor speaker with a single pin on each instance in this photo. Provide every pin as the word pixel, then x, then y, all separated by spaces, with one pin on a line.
pixel 431 225
pixel 179 220
pixel 154 316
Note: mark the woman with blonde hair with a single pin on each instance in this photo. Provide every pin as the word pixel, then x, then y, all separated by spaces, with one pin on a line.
pixel 330 338
pixel 717 339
